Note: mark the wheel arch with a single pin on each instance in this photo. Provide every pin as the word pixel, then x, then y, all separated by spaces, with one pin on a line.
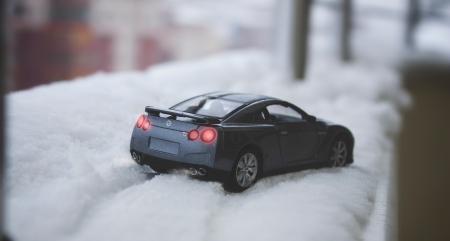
pixel 332 133
pixel 259 152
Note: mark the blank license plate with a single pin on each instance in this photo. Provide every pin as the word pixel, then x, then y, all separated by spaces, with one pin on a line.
pixel 164 146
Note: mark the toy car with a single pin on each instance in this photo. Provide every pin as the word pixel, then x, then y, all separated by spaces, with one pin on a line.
pixel 237 138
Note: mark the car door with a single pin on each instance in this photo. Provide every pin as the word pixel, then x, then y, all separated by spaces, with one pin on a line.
pixel 298 136
pixel 254 127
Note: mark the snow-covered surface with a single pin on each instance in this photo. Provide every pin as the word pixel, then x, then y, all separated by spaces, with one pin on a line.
pixel 70 176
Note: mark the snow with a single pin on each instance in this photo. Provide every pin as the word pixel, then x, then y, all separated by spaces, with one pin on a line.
pixel 70 175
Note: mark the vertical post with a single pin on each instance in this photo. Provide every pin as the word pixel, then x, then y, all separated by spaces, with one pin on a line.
pixel 346 27
pixel 412 20
pixel 423 209
pixel 300 37
pixel 3 77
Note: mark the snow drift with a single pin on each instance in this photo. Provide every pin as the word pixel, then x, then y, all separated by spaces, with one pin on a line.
pixel 70 175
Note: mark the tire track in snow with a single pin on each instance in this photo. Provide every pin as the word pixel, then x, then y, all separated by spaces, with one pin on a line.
pixel 284 207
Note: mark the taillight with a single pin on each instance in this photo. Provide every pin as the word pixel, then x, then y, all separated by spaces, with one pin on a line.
pixel 208 135
pixel 140 121
pixel 193 135
pixel 143 122
pixel 146 124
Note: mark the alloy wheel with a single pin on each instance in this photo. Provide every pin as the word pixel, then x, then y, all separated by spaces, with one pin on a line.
pixel 339 153
pixel 246 170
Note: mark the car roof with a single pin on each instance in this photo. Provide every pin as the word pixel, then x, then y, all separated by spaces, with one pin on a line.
pixel 239 97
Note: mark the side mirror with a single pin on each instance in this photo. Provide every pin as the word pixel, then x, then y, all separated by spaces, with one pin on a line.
pixel 311 118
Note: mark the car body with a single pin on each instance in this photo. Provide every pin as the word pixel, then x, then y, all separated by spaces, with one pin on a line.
pixel 237 138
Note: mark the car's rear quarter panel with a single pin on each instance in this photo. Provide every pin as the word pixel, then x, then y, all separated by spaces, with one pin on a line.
pixel 331 132
pixel 235 138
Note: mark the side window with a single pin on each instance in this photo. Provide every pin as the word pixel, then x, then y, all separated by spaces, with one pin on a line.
pixel 253 117
pixel 282 113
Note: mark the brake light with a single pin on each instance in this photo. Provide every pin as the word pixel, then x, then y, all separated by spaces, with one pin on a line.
pixel 193 135
pixel 208 135
pixel 147 124
pixel 140 121
pixel 143 122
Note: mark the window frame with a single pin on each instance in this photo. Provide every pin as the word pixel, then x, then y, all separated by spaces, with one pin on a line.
pixel 304 116
pixel 237 108
pixel 262 106
pixel 258 111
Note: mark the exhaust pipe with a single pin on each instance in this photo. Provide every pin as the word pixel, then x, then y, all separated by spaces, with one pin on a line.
pixel 193 171
pixel 201 171
pixel 197 172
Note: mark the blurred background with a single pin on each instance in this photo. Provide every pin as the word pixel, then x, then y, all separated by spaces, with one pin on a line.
pixel 58 40
pixel 51 40
pixel 55 40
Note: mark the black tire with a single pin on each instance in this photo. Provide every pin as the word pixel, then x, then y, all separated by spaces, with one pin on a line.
pixel 245 173
pixel 339 153
pixel 137 157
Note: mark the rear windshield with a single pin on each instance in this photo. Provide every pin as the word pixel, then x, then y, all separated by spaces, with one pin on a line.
pixel 207 106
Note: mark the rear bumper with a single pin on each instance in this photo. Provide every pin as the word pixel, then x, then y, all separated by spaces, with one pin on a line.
pixel 151 160
pixel 171 145
pixel 201 159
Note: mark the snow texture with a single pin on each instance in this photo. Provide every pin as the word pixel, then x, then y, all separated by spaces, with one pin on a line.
pixel 70 175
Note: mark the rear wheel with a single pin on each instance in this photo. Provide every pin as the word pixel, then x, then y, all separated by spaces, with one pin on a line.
pixel 245 172
pixel 136 157
pixel 339 152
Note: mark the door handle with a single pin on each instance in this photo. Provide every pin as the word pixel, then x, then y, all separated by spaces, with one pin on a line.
pixel 283 132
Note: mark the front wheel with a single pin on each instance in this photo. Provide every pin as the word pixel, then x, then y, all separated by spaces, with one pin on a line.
pixel 339 152
pixel 244 173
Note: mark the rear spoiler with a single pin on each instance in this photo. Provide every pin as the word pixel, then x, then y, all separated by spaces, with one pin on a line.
pixel 175 113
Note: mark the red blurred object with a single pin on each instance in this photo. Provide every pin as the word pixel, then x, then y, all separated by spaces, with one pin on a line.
pixel 59 51
pixel 149 52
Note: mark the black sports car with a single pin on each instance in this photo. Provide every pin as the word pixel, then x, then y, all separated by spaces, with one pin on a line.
pixel 237 138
